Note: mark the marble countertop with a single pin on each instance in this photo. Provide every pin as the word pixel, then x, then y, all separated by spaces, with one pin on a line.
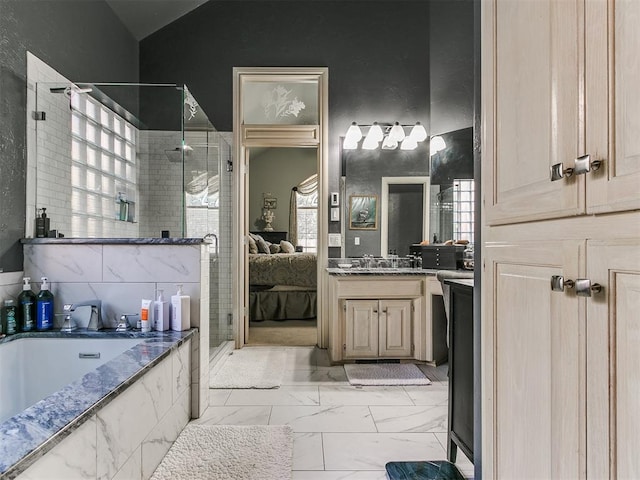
pixel 346 272
pixel 112 241
pixel 468 282
pixel 29 435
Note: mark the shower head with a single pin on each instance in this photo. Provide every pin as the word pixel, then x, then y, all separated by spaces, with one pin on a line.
pixel 174 155
pixel 72 89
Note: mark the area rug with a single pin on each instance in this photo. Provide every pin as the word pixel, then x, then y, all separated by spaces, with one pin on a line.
pixel 252 452
pixel 385 374
pixel 250 367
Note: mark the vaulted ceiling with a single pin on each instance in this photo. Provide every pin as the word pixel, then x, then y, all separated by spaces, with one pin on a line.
pixel 143 17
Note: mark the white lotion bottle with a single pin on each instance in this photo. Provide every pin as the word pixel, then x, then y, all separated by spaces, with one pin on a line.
pixel 161 313
pixel 180 311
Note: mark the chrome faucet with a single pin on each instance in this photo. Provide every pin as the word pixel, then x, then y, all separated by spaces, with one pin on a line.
pixel 95 321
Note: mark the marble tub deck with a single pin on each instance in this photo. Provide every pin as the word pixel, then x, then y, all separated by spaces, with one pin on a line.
pixel 30 434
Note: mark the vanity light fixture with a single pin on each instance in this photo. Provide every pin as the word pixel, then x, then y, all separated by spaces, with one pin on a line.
pixel 436 144
pixel 390 135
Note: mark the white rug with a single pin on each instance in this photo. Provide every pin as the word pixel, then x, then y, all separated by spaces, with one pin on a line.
pixel 250 367
pixel 256 452
pixel 385 374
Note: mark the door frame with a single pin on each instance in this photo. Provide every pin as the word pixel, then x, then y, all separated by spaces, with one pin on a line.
pixel 246 136
pixel 384 207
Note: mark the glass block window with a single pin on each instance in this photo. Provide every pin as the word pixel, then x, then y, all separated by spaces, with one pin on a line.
pixel 463 192
pixel 103 168
pixel 307 212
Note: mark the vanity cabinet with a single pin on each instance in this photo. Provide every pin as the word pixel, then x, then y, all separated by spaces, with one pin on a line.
pixel 560 82
pixel 386 316
pixel 561 271
pixel 378 328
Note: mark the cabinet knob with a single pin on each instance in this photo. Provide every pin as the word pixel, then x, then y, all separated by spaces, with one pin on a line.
pixel 584 287
pixel 558 283
pixel 582 165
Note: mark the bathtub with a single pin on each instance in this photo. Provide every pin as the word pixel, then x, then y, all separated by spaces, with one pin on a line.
pixel 34 368
pixel 51 383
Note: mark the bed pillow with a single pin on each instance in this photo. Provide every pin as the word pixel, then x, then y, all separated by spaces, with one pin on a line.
pixel 263 245
pixel 274 248
pixel 287 247
pixel 253 248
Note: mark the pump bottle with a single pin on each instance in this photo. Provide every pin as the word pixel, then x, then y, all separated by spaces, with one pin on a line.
pixel 180 311
pixel 27 307
pixel 44 307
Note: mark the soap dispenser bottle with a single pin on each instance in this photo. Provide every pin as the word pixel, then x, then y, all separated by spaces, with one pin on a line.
pixel 26 307
pixel 44 307
pixel 42 224
pixel 161 313
pixel 180 311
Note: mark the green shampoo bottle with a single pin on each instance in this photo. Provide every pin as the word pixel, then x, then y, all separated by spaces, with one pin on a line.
pixel 26 307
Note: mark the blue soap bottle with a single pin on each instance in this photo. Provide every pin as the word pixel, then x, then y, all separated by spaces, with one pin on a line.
pixel 44 307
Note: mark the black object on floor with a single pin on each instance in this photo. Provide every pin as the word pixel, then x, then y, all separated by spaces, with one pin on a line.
pixel 431 470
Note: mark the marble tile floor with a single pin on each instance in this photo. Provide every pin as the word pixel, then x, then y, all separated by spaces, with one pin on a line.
pixel 342 431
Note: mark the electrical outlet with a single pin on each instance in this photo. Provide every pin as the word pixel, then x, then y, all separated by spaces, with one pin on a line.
pixel 356 240
pixel 335 199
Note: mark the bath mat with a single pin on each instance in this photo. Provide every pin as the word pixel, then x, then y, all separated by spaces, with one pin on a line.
pixel 250 367
pixel 255 452
pixel 428 470
pixel 385 374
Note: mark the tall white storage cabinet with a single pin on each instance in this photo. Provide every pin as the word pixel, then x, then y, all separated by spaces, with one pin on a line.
pixel 561 239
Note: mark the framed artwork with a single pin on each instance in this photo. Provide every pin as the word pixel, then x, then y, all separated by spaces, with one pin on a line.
pixel 363 212
pixel 270 203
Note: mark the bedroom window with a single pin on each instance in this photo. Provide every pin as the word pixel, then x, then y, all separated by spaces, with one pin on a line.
pixel 307 213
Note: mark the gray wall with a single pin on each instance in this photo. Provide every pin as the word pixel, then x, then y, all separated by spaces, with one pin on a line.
pixel 277 170
pixel 451 65
pixel 382 56
pixel 84 41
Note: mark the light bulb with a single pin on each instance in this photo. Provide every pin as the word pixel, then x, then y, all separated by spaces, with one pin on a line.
pixel 409 144
pixel 375 132
pixel 397 132
pixel 354 134
pixel 389 143
pixel 436 144
pixel 418 133
pixel 346 145
pixel 369 143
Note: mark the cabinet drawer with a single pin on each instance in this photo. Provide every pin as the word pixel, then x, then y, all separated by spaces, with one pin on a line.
pixel 397 287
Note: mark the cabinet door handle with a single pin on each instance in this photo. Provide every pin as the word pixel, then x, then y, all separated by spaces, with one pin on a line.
pixel 584 288
pixel 558 172
pixel 582 165
pixel 558 283
pixel 375 311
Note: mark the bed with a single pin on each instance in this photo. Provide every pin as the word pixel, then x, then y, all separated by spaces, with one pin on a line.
pixel 282 286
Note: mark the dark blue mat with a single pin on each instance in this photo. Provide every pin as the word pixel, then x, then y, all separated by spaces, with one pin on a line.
pixel 433 470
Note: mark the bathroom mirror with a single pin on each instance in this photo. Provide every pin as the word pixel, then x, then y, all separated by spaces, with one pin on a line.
pixel 123 161
pixel 430 196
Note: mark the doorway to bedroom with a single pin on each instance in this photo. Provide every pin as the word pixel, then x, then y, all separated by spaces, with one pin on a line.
pixel 282 211
pixel 280 220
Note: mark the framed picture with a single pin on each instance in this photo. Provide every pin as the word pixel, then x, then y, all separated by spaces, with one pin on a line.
pixel 363 212
pixel 270 203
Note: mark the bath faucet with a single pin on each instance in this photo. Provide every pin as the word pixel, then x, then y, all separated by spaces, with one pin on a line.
pixel 95 321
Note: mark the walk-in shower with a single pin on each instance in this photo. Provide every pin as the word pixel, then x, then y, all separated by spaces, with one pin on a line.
pixel 134 161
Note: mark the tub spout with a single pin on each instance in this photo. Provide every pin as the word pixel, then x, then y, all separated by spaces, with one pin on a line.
pixel 95 321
